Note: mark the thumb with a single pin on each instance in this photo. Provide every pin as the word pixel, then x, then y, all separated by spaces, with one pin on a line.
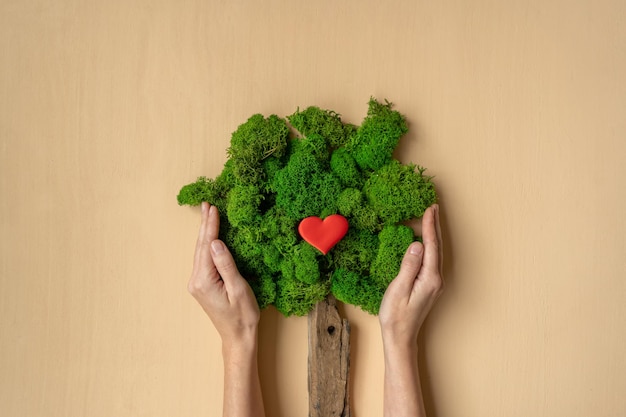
pixel 224 262
pixel 410 267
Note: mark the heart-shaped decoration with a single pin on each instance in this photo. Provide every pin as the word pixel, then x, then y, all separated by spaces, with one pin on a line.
pixel 323 234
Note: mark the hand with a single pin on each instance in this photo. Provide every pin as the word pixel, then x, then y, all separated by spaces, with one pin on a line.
pixel 411 295
pixel 218 286
pixel 228 300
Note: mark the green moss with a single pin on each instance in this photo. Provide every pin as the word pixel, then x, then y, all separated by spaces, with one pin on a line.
pixel 214 191
pixel 307 266
pixel 364 217
pixel 264 289
pixel 314 145
pixel 343 165
pixel 349 201
pixel 243 205
pixel 356 251
pixel 195 193
pixel 325 123
pixel 352 288
pixel 270 167
pixel 246 244
pixel 272 258
pixel 279 229
pixel 393 242
pixel 294 297
pixel 271 182
pixel 399 192
pixel 303 188
pixel 378 136
pixel 254 141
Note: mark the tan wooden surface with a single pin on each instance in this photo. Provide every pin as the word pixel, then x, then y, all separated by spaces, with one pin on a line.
pixel 108 107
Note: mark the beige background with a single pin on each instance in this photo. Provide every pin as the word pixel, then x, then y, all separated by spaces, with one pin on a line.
pixel 108 107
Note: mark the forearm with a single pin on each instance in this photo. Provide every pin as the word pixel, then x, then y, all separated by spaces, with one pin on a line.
pixel 402 388
pixel 242 388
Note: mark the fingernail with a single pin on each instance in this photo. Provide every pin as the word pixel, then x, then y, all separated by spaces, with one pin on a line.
pixel 217 246
pixel 203 206
pixel 415 249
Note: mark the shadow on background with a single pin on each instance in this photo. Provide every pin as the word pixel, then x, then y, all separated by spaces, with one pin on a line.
pixel 268 331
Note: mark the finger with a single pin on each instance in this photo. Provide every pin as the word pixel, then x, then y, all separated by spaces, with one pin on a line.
pixel 431 240
pixel 204 217
pixel 209 230
pixel 439 237
pixel 410 267
pixel 224 263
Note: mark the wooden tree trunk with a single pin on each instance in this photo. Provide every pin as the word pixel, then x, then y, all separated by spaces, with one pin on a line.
pixel 329 361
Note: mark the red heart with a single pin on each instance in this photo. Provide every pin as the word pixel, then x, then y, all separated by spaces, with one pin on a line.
pixel 323 234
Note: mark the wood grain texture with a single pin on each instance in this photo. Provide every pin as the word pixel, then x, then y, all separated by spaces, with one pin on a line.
pixel 108 107
pixel 329 361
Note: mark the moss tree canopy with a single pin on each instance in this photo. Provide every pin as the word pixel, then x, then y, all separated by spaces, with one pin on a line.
pixel 272 181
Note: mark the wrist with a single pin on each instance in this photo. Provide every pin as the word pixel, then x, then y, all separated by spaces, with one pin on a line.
pixel 399 337
pixel 399 347
pixel 399 358
pixel 243 344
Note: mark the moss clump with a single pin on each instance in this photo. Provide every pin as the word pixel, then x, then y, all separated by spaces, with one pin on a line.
pixel 361 290
pixel 295 297
pixel 264 289
pixel 378 136
pixel 253 142
pixel 349 201
pixel 243 205
pixel 343 165
pixel 325 123
pixel 207 189
pixel 304 187
pixel 393 242
pixel 356 251
pixel 397 192
pixel 272 181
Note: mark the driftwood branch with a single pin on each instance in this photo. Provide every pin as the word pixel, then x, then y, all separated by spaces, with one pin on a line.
pixel 329 361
